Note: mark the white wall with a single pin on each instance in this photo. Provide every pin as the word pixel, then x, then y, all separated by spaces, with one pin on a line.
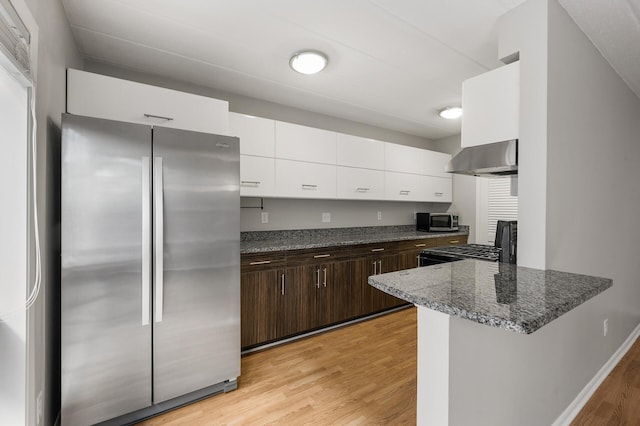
pixel 579 150
pixel 56 52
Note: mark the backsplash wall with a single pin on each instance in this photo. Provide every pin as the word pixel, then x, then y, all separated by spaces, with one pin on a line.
pixel 307 214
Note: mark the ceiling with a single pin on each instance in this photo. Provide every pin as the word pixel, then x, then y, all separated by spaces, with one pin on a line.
pixel 392 63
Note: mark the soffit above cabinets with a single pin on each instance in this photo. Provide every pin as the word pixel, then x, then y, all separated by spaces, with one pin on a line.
pixel 392 64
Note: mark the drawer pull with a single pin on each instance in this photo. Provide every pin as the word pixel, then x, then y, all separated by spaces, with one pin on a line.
pixel 261 262
pixel 404 192
pixel 454 241
pixel 363 189
pixel 420 245
pixel 250 182
pixel 439 194
pixel 306 186
pixel 159 117
pixel 321 256
pixel 377 249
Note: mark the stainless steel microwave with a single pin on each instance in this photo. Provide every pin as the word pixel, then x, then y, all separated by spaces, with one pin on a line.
pixel 435 222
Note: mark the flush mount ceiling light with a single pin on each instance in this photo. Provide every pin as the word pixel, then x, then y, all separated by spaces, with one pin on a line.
pixel 450 113
pixel 308 62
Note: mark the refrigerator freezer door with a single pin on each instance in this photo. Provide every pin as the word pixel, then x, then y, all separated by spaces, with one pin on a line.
pixel 106 348
pixel 197 337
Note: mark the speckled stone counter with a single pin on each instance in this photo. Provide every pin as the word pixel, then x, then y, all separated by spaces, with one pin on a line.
pixel 495 294
pixel 268 241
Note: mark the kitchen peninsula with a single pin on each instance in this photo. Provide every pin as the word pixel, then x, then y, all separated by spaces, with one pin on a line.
pixel 470 361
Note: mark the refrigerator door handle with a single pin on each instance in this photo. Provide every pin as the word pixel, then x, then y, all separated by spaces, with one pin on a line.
pixel 146 239
pixel 159 235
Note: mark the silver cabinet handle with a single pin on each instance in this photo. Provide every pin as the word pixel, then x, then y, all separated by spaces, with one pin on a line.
pixel 379 267
pixel 439 194
pixel 159 236
pixel 306 186
pixel 404 192
pixel 363 189
pixel 418 259
pixel 282 283
pixel 321 256
pixel 250 182
pixel 375 271
pixel 261 262
pixel 454 242
pixel 158 116
pixel 377 249
pixel 318 277
pixel 421 245
pixel 324 282
pixel 146 239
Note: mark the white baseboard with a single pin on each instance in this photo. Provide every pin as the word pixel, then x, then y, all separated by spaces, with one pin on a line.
pixel 577 404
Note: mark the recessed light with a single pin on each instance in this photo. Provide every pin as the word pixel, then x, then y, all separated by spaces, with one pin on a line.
pixel 308 62
pixel 450 113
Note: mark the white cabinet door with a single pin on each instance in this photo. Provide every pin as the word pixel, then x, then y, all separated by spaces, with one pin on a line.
pixel 403 187
pixel 437 189
pixel 435 162
pixel 257 135
pixel 354 151
pixel 297 179
pixel 99 96
pixel 360 184
pixel 303 143
pixel 257 176
pixel 404 159
pixel 491 104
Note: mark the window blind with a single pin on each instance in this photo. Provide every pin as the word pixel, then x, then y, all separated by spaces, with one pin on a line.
pixel 501 204
pixel 14 44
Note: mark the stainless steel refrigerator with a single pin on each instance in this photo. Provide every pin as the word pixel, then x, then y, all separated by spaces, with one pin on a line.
pixel 150 297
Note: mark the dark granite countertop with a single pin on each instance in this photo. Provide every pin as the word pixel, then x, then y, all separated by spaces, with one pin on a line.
pixel 269 241
pixel 496 294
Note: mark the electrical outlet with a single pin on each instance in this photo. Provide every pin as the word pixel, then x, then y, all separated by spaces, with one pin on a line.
pixel 264 217
pixel 326 217
pixel 605 328
pixel 415 215
pixel 379 215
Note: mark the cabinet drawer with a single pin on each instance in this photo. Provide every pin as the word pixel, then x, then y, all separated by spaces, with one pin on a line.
pixel 450 241
pixel 315 256
pixel 376 249
pixel 355 151
pixel 257 176
pixel 305 180
pixel 99 96
pixel 403 187
pixel 361 184
pixel 303 143
pixel 412 245
pixel 253 262
pixel 257 135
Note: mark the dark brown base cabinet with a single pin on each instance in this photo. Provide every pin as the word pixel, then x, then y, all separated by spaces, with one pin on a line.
pixel 284 294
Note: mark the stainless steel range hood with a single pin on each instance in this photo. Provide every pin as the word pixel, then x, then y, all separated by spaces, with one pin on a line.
pixel 492 160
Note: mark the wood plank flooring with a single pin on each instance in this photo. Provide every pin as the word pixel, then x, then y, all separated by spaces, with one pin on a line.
pixel 364 374
pixel 617 400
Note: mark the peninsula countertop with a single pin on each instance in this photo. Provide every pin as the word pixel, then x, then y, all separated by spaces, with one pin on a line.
pixel 496 294
pixel 270 241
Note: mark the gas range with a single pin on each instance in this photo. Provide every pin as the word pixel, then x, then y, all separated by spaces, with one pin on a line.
pixel 435 255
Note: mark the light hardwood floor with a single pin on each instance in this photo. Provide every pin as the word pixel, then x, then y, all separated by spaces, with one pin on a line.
pixel 364 374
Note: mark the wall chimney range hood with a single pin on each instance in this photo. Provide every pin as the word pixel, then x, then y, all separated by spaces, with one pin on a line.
pixel 490 160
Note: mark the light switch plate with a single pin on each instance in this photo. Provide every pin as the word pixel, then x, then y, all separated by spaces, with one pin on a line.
pixel 326 217
pixel 264 217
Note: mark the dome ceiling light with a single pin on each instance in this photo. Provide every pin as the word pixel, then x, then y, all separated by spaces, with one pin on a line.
pixel 450 113
pixel 308 62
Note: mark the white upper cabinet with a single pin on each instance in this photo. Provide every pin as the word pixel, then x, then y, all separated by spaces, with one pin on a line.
pixel 404 159
pixel 100 96
pixel 491 105
pixel 297 179
pixel 355 151
pixel 435 162
pixel 404 186
pixel 257 135
pixel 437 189
pixel 257 176
pixel 360 184
pixel 301 143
